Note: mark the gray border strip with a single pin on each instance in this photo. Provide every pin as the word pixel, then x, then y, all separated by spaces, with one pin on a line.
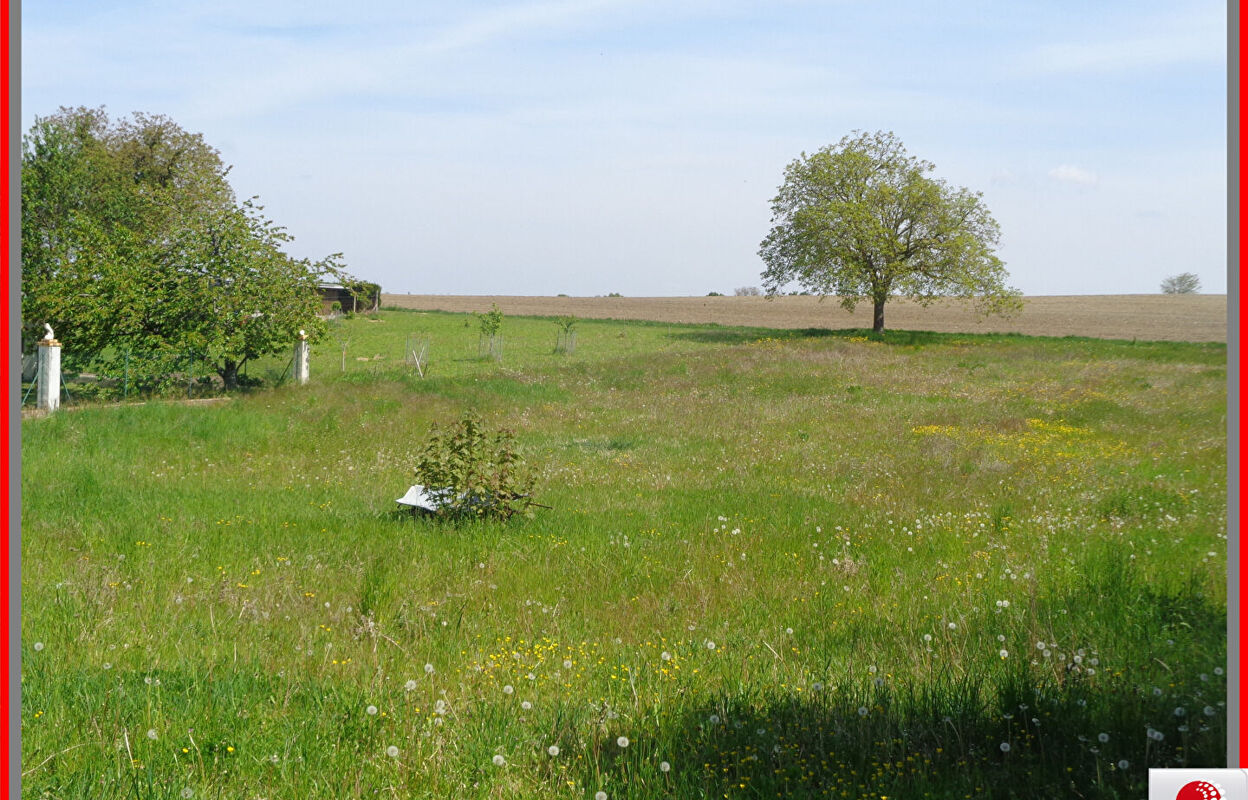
pixel 1234 668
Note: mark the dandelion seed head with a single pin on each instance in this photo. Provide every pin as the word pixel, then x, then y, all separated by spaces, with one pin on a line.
pixel 508 689
pixel 600 796
pixel 567 663
pixel 38 646
pixel 188 793
pixel 664 766
pixel 392 751
pixel 553 749
pixel 410 686
pixel 499 761
pixel 710 645
pixel 428 669
pixel 622 741
pixel 713 719
pixel 1123 764
pixel 862 711
pixel 1004 653
pixel 151 734
pixel 371 711
pixel 1102 737
pixel 1005 747
pixel 526 705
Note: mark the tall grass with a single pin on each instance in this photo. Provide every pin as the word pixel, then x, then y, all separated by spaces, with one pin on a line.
pixel 799 564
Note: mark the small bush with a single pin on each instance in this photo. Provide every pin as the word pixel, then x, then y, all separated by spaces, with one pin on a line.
pixel 714 294
pixel 471 472
pixel 748 291
pixel 1185 283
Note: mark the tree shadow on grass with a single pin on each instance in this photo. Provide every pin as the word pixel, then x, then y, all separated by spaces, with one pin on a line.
pixel 1030 726
pixel 901 338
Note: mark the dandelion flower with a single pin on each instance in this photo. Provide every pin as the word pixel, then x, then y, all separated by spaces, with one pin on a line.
pixel 713 719
pixel 953 626
pixel 526 705
pixel 567 663
pixel 622 741
pixel 1123 764
pixel 1180 711
pixel 38 646
pixel 664 766
pixel 1005 747
pixel 428 669
pixel 107 665
pixel 1102 737
pixel 1004 653
pixel 710 645
pixel 1041 646
pixel 553 749
pixel 371 711
pixel 872 669
pixel 789 631
pixel 188 793
pixel 927 637
pixel 1209 711
pixel 600 796
pixel 392 751
pixel 151 734
pixel 666 656
pixel 410 686
pixel 499 761
pixel 862 711
pixel 1218 670
pixel 816 687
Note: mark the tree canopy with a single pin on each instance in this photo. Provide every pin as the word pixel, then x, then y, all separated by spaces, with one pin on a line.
pixel 1183 283
pixel 863 221
pixel 134 245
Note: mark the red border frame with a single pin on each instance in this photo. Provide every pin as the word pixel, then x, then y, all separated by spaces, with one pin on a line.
pixel 1238 178
pixel 6 118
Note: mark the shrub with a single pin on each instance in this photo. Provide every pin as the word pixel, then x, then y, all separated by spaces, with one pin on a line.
pixel 714 294
pixel 747 291
pixel 471 472
pixel 1185 283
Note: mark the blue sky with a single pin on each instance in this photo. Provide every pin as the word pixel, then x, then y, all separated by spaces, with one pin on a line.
pixel 595 146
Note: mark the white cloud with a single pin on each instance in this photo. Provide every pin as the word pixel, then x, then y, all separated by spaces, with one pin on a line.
pixel 1139 44
pixel 1067 173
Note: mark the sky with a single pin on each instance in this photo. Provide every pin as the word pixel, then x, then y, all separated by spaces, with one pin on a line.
pixel 593 146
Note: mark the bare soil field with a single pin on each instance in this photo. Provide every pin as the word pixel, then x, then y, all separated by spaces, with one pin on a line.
pixel 1194 318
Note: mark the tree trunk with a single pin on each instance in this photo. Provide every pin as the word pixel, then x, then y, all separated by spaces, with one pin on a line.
pixel 878 325
pixel 229 375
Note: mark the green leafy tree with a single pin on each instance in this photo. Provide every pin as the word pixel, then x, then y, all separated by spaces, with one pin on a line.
pixel 1183 283
pixel 134 246
pixel 863 221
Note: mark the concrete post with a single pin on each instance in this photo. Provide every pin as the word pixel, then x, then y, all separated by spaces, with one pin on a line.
pixel 302 371
pixel 49 398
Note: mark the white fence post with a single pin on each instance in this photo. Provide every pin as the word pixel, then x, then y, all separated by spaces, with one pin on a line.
pixel 49 398
pixel 302 371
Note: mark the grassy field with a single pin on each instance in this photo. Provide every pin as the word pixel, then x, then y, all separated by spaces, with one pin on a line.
pixel 778 563
pixel 1155 317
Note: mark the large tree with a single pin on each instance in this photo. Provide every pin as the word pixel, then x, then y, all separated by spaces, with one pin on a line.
pixel 134 246
pixel 863 221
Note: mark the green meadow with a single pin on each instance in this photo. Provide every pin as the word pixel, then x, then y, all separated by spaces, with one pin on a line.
pixel 775 564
